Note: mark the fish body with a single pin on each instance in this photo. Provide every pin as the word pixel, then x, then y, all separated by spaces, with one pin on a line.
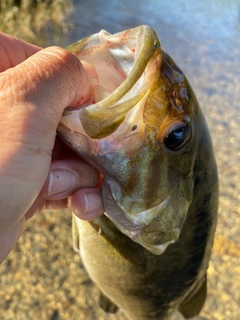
pixel 143 129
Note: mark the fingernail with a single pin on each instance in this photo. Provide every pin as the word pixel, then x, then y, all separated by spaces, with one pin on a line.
pixel 61 180
pixel 92 202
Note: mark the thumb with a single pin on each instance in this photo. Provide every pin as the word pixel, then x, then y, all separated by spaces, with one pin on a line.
pixel 35 93
pixel 45 84
pixel 33 97
pixel 9 238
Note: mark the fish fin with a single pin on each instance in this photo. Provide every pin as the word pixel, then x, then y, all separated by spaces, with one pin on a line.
pixel 107 305
pixel 75 235
pixel 192 306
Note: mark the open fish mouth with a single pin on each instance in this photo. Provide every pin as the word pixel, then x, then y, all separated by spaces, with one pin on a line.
pixel 126 70
pixel 120 128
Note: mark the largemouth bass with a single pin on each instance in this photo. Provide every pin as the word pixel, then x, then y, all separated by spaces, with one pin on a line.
pixel 143 129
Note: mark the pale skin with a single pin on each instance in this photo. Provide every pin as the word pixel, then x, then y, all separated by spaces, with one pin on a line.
pixel 37 171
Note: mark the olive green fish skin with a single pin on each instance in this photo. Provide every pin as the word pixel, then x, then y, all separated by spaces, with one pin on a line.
pixel 144 285
pixel 147 286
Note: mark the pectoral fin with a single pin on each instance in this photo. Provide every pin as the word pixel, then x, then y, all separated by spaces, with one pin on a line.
pixel 75 235
pixel 195 302
pixel 107 305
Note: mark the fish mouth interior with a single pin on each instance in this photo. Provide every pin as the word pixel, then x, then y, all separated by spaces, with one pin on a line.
pixel 123 67
pixel 108 64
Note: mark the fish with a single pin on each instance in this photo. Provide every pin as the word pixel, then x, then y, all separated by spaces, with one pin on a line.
pixel 143 129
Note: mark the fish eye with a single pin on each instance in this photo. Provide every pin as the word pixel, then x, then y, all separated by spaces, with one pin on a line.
pixel 176 136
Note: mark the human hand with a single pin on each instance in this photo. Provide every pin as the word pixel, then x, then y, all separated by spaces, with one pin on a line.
pixel 37 171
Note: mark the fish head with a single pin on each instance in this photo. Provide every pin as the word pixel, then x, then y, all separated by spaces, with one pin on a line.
pixel 138 130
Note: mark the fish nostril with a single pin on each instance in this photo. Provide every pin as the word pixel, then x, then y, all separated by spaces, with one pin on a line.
pixel 134 127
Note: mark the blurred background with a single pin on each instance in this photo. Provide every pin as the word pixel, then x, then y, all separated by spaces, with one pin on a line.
pixel 43 278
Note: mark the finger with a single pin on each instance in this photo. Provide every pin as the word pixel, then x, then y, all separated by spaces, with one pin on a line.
pixel 42 203
pixel 14 51
pixel 66 176
pixel 53 77
pixel 87 203
pixel 62 151
pixel 35 93
pixel 33 96
pixel 9 238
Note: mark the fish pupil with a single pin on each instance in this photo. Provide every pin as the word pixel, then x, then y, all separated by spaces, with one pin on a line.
pixel 177 138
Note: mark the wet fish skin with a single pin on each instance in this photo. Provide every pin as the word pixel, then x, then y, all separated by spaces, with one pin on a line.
pixel 145 285
pixel 148 286
pixel 140 209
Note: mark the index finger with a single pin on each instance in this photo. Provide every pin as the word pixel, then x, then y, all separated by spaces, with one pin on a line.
pixel 14 51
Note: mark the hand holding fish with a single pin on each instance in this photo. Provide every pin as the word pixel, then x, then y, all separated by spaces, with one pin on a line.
pixel 36 170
